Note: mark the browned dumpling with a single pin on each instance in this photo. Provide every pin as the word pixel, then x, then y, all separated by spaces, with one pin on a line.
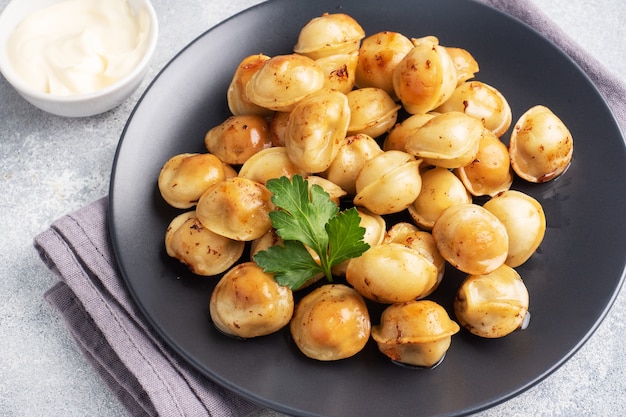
pixel 471 238
pixel 204 252
pixel 525 223
pixel 440 190
pixel 354 152
pixel 238 138
pixel 372 112
pixel 331 323
pixel 541 146
pixel 329 34
pixel 237 208
pixel 448 140
pixel 402 132
pixel 268 164
pixel 493 305
pixel 425 77
pixel 465 64
pixel 392 273
pixel 238 102
pixel 388 183
pixel 483 102
pixel 421 241
pixel 315 129
pixel 283 81
pixel 490 172
pixel 339 70
pixel 415 333
pixel 379 55
pixel 185 177
pixel 265 242
pixel 248 302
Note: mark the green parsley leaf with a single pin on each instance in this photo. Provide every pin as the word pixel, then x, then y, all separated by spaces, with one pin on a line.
pixel 301 218
pixel 308 218
pixel 291 264
pixel 346 236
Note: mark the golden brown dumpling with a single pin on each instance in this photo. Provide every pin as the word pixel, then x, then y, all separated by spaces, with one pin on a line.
pixel 238 102
pixel 331 323
pixel 379 55
pixel 492 305
pixel 283 81
pixel 315 129
pixel 415 333
pixel 185 177
pixel 248 302
pixel 425 77
pixel 421 241
pixel 490 172
pixel 329 34
pixel 237 208
pixel 388 183
pixel 203 251
pixel 440 190
pixel 471 238
pixel 483 102
pixel 392 273
pixel 354 152
pixel 268 164
pixel 541 145
pixel 525 223
pixel 238 138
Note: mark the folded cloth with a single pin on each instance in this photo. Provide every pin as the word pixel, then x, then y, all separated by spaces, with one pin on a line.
pixel 146 376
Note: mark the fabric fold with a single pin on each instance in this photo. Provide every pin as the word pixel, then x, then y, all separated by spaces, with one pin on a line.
pixel 147 377
pixel 98 352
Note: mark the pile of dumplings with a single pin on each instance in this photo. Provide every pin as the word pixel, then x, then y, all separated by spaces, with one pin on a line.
pixel 390 124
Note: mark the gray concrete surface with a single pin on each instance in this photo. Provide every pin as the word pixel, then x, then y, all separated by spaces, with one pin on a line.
pixel 51 166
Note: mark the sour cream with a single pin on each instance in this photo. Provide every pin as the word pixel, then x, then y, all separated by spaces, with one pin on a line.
pixel 78 46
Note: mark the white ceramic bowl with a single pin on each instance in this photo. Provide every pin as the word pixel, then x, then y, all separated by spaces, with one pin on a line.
pixel 79 105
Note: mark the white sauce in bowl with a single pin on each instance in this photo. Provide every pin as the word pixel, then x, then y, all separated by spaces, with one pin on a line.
pixel 78 46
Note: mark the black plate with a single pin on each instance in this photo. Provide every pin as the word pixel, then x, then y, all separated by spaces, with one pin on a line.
pixel 572 279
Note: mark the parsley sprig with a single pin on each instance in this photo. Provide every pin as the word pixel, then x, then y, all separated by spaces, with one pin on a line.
pixel 307 217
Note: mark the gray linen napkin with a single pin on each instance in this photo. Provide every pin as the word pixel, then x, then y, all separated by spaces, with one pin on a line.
pixel 147 377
